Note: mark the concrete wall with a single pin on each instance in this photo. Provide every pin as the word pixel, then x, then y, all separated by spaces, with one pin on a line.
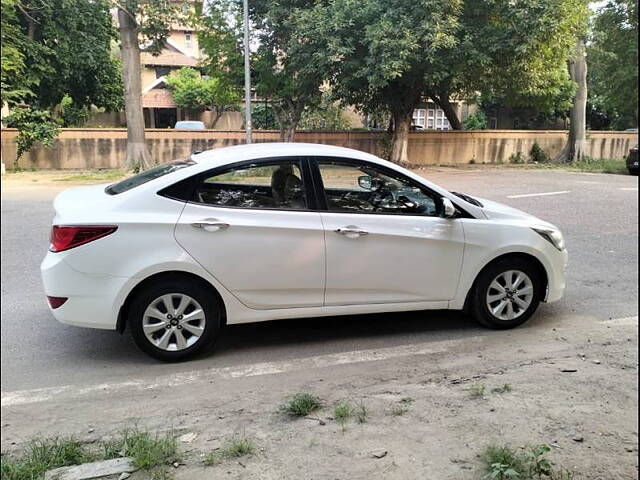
pixel 106 148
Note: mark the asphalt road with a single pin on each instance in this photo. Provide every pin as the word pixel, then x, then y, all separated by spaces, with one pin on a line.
pixel 598 214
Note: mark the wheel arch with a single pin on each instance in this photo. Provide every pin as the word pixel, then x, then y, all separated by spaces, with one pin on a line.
pixel 173 275
pixel 511 255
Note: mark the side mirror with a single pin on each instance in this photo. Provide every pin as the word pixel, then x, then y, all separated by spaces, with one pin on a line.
pixel 448 208
pixel 364 181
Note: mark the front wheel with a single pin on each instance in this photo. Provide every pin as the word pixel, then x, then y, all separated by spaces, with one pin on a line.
pixel 174 320
pixel 507 293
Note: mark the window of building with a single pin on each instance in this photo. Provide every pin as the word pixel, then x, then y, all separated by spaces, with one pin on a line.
pixel 162 71
pixel 188 41
pixel 419 117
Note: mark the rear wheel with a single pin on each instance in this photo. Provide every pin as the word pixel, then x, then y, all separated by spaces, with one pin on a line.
pixel 507 293
pixel 174 320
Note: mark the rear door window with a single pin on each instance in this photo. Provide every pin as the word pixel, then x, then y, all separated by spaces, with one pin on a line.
pixel 271 185
pixel 147 176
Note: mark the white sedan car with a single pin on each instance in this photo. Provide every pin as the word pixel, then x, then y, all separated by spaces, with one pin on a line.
pixel 269 231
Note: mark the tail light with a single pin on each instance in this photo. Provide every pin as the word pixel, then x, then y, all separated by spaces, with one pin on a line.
pixel 66 237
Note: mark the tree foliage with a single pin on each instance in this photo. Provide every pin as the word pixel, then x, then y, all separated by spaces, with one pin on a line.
pixel 56 51
pixel 191 90
pixel 219 26
pixel 15 84
pixel 392 54
pixel 65 46
pixel 283 67
pixel 612 55
pixel 34 127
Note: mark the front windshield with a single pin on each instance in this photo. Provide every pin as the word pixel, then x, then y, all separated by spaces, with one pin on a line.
pixel 147 176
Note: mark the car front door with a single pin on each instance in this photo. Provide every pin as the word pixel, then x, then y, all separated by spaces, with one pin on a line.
pixel 385 239
pixel 252 228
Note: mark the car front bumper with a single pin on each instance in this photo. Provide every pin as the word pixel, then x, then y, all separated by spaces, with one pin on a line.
pixel 91 298
pixel 556 275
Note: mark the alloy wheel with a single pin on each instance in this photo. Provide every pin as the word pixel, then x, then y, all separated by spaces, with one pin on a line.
pixel 510 295
pixel 173 322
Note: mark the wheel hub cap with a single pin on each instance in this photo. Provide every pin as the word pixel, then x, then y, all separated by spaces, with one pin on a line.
pixel 509 295
pixel 173 322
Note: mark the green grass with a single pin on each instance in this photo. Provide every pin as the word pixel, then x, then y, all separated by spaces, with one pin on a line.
pixel 44 454
pixel 477 390
pixel 361 413
pixel 398 410
pixel 301 405
pixel 342 413
pixel 235 448
pixel 94 176
pixel 590 165
pixel 529 463
pixel 147 450
pixel 503 389
pixel 600 165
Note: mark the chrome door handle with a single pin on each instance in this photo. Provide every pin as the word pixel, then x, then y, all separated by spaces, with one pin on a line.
pixel 210 226
pixel 349 231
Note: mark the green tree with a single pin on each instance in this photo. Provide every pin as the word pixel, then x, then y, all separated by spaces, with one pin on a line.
pixel 324 116
pixel 514 53
pixel 193 91
pixel 66 48
pixel 375 55
pixel 219 26
pixel 391 55
pixel 15 84
pixel 54 50
pixel 284 70
pixel 612 54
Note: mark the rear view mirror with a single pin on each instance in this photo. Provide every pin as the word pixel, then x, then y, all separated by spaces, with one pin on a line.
pixel 448 208
pixel 364 181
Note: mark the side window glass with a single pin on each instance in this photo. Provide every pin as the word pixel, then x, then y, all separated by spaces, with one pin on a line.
pixel 366 189
pixel 260 185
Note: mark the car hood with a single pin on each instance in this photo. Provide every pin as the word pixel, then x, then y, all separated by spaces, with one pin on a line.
pixel 496 211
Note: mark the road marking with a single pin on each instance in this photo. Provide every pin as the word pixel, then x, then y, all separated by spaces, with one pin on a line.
pixel 23 397
pixel 544 194
pixel 631 321
pixel 629 189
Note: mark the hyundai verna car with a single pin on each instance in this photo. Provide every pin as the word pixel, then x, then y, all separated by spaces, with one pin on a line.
pixel 272 231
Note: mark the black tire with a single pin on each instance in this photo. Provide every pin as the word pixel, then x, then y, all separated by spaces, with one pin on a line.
pixel 198 292
pixel 479 308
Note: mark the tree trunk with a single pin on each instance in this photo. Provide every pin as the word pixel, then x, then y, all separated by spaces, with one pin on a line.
pixel 288 116
pixel 443 101
pixel 217 113
pixel 138 157
pixel 450 112
pixel 577 143
pixel 400 138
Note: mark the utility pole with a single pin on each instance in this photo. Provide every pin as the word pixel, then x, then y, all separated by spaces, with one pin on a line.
pixel 247 76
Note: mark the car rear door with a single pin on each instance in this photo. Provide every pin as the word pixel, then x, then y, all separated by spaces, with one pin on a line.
pixel 389 245
pixel 252 226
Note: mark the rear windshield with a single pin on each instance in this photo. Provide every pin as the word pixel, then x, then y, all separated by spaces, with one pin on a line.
pixel 147 176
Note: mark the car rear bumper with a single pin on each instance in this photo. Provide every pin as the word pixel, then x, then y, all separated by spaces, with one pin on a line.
pixel 90 297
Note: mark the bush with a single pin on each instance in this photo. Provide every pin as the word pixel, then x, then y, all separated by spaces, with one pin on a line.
pixel 34 126
pixel 538 155
pixel 475 121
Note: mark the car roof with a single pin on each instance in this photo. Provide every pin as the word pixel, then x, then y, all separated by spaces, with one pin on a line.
pixel 277 149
